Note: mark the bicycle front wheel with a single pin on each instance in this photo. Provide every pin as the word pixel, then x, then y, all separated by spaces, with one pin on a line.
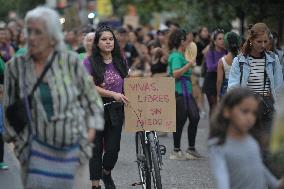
pixel 154 147
pixel 143 161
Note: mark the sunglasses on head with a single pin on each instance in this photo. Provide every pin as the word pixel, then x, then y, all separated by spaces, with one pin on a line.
pixel 216 32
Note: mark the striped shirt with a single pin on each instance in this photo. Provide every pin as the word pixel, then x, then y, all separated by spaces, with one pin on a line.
pixel 256 76
pixel 76 104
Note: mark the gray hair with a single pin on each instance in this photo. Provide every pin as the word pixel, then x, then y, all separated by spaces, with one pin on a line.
pixel 91 34
pixel 51 22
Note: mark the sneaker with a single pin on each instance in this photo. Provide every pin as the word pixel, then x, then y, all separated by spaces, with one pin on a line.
pixel 177 155
pixel 108 181
pixel 192 154
pixel 3 166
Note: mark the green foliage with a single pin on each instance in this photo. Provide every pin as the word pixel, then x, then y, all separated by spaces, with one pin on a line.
pixel 21 6
pixel 6 6
pixel 212 13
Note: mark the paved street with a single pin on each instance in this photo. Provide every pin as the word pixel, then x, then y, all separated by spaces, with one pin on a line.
pixel 194 174
pixel 175 175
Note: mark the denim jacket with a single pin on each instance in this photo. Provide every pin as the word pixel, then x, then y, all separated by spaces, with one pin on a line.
pixel 274 73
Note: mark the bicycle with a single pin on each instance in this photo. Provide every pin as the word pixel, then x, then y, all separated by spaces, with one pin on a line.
pixel 149 158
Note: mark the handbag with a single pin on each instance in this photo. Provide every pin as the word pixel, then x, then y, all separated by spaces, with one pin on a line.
pixel 16 113
pixel 267 104
pixel 52 167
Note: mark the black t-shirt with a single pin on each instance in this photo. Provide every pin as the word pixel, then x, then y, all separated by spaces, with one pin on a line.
pixel 130 53
pixel 159 67
pixel 201 44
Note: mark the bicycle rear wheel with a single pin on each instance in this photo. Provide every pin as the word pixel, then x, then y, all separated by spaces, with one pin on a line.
pixel 143 161
pixel 154 147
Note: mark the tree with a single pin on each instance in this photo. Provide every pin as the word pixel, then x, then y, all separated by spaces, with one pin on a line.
pixel 212 13
pixel 7 6
pixel 20 6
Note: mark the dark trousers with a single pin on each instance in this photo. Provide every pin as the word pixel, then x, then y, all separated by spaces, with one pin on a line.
pixel 182 113
pixel 107 142
pixel 209 88
pixel 1 148
pixel 212 101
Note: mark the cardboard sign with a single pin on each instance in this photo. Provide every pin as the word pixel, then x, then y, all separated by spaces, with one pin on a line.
pixel 151 105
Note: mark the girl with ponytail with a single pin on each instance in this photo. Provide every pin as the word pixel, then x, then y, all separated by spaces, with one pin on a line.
pixel 232 44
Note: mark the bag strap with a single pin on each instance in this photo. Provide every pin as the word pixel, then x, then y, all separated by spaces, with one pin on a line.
pixel 46 68
pixel 27 97
pixel 241 65
pixel 265 76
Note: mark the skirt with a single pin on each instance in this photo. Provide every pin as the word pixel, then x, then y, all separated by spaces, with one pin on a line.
pixel 209 86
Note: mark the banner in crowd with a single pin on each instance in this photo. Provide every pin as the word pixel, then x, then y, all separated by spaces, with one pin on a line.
pixel 151 104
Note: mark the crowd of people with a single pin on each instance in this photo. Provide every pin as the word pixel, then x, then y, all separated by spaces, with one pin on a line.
pixel 69 86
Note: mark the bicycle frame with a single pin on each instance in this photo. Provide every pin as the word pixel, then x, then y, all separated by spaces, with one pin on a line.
pixel 146 134
pixel 149 158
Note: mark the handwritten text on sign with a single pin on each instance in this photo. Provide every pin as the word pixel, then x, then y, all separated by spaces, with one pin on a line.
pixel 152 104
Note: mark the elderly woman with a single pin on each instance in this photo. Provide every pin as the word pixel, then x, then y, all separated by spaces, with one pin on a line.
pixel 88 44
pixel 65 109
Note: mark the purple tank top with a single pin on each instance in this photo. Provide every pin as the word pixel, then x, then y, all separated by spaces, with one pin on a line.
pixel 212 58
pixel 112 79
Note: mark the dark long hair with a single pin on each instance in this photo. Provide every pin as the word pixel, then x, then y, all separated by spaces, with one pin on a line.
pixel 219 124
pixel 214 36
pixel 232 42
pixel 96 59
pixel 176 38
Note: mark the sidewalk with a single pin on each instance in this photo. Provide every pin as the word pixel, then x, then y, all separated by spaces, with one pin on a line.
pixel 10 179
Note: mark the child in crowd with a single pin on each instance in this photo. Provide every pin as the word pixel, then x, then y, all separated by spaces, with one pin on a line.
pixel 235 155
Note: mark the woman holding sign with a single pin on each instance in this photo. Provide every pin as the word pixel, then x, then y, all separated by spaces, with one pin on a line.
pixel 108 68
pixel 180 69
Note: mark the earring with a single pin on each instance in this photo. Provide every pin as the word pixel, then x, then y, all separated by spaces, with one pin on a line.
pixel 250 44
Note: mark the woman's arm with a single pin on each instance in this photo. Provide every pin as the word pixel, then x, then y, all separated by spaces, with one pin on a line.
pixel 179 72
pixel 9 95
pixel 219 168
pixel 235 74
pixel 220 76
pixel 89 99
pixel 107 93
pixel 271 180
pixel 278 77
